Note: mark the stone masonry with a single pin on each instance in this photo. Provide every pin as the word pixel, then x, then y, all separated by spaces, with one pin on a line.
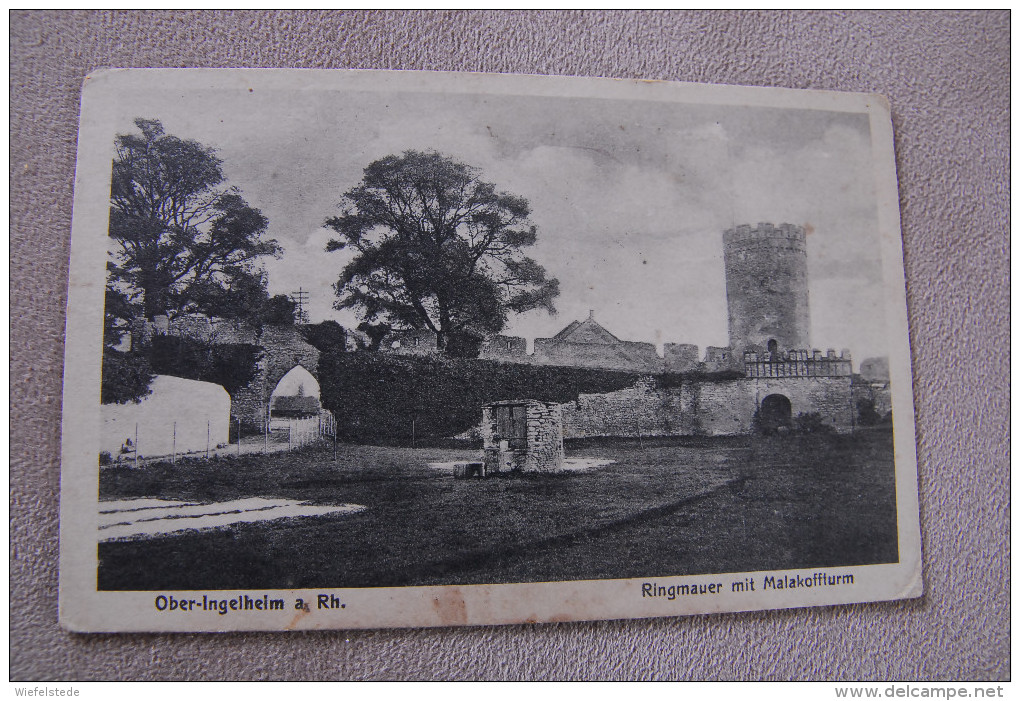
pixel 705 407
pixel 284 348
pixel 588 344
pixel 410 342
pixel 641 410
pixel 504 347
pixel 524 435
pixel 766 287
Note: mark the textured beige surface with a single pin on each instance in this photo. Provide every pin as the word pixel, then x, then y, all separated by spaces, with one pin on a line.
pixel 947 77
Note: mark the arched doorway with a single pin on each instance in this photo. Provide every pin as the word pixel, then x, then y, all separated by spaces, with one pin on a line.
pixel 296 395
pixel 295 412
pixel 776 412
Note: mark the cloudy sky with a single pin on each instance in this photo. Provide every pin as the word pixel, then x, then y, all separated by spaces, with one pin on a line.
pixel 630 197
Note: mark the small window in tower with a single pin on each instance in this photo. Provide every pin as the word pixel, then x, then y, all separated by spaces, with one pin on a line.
pixel 773 347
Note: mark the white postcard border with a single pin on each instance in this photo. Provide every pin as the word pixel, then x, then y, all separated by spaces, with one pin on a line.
pixel 83 608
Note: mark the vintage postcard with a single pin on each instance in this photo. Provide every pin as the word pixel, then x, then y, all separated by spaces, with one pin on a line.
pixel 355 349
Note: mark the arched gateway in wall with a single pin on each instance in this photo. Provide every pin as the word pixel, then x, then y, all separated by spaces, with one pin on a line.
pixel 284 349
pixel 296 395
pixel 776 411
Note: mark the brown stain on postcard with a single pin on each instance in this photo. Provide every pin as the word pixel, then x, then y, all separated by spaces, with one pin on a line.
pixel 451 607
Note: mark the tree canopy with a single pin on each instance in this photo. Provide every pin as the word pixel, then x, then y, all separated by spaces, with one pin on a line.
pixel 437 248
pixel 184 242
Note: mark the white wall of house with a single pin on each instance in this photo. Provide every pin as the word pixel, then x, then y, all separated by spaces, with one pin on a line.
pixel 199 410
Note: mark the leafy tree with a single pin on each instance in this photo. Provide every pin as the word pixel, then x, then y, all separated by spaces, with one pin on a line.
pixel 232 365
pixel 126 376
pixel 375 332
pixel 867 414
pixel 280 309
pixel 375 395
pixel 117 315
pixel 437 248
pixel 126 373
pixel 184 242
pixel 464 345
pixel 327 336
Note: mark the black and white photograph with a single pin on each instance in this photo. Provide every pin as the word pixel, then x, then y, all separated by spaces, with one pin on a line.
pixel 354 349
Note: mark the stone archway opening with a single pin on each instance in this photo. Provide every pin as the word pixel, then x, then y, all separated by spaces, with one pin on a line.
pixel 775 413
pixel 296 396
pixel 295 409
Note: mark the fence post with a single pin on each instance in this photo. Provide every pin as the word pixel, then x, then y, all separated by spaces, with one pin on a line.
pixel 136 445
pixel 173 457
pixel 238 436
pixel 208 435
pixel 412 434
pixel 265 448
pixel 290 436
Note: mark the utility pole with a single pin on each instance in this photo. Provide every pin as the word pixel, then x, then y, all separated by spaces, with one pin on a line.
pixel 300 300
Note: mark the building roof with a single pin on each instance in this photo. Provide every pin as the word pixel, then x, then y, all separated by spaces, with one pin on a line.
pixel 306 405
pixel 587 331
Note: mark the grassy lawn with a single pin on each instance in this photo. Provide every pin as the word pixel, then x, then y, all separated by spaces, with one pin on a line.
pixel 663 507
pixel 796 502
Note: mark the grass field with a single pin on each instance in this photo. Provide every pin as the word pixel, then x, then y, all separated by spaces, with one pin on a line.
pixel 664 507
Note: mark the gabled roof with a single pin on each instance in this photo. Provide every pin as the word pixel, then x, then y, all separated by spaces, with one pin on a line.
pixel 587 331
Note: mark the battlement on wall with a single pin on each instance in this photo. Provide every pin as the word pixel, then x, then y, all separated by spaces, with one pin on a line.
pixel 680 357
pixel 798 363
pixel 786 235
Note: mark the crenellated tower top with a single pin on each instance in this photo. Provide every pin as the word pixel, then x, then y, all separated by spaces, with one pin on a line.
pixel 766 287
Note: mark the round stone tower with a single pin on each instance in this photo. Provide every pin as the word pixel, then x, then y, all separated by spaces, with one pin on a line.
pixel 766 288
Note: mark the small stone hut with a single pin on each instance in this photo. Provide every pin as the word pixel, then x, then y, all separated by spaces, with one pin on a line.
pixel 522 434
